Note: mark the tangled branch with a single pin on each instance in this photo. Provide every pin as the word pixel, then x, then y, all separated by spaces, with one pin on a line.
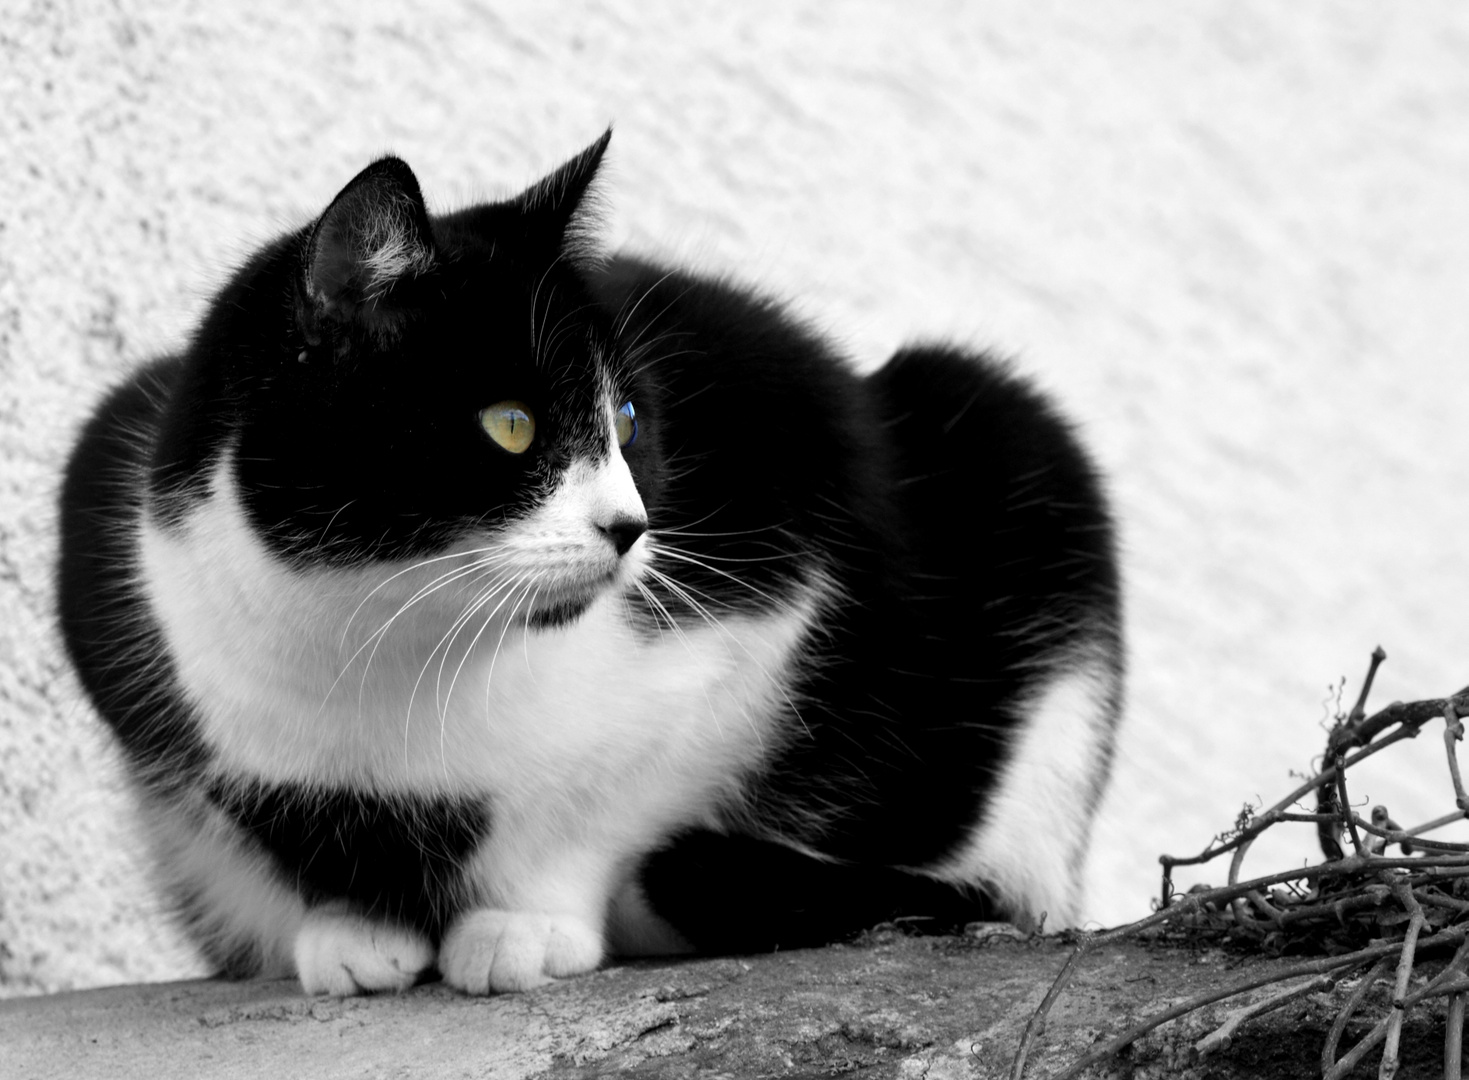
pixel 1372 915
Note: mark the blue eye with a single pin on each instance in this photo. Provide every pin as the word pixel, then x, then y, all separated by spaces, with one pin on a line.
pixel 626 422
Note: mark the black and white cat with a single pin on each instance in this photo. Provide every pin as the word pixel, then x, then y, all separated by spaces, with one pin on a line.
pixel 464 601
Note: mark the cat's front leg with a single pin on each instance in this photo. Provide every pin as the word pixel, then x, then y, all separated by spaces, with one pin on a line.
pixel 541 912
pixel 491 950
pixel 342 953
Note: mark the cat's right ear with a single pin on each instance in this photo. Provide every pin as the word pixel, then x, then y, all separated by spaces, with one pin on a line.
pixel 375 234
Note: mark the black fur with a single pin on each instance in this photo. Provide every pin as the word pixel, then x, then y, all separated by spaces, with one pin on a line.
pixel 394 858
pixel 967 531
pixel 961 530
pixel 115 644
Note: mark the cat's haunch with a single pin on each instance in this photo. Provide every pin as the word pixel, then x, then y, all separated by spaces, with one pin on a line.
pixel 464 601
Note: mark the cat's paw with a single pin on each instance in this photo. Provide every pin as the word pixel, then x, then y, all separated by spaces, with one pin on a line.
pixel 342 954
pixel 492 951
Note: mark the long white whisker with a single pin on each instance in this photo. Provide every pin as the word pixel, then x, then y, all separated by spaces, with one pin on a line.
pixel 408 570
pixel 534 579
pixel 509 590
pixel 683 638
pixel 375 638
pixel 446 643
pixel 686 594
pixel 379 635
pixel 683 556
pixel 624 318
pixel 448 637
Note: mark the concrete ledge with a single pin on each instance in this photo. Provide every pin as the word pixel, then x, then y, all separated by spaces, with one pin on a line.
pixel 889 1006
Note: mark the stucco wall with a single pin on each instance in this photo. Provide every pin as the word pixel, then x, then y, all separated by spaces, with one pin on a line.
pixel 1233 238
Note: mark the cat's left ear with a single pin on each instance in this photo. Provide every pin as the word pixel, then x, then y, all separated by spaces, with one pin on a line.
pixel 375 234
pixel 557 210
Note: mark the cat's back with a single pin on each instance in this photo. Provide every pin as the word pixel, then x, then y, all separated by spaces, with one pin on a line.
pixel 964 681
pixel 1001 503
pixel 942 465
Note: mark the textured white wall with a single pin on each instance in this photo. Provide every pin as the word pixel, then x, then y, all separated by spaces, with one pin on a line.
pixel 1233 237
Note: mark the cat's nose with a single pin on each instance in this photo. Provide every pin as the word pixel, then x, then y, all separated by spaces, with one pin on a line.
pixel 624 532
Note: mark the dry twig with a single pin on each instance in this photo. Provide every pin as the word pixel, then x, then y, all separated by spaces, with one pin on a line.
pixel 1367 911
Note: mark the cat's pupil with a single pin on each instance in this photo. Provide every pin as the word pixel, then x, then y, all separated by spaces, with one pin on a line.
pixel 510 424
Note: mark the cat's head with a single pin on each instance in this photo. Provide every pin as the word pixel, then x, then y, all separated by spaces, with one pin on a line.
pixel 388 387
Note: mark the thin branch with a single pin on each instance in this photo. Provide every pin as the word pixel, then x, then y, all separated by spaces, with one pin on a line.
pixel 1453 1043
pixel 1313 967
pixel 1339 1026
pixel 1405 897
pixel 1438 899
pixel 1398 836
pixel 1037 1022
pixel 1392 836
pixel 1346 807
pixel 1262 821
pixel 1335 903
pixel 1220 1037
pixel 1450 981
pixel 1413 715
pixel 1436 823
pixel 1452 736
pixel 1359 710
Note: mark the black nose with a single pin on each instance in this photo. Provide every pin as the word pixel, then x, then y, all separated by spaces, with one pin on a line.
pixel 624 532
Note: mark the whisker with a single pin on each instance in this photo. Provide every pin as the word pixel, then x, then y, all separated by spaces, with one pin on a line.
pixel 625 317
pixel 535 579
pixel 682 556
pixel 448 636
pixel 686 594
pixel 406 570
pixel 379 635
pixel 446 643
pixel 376 637
pixel 509 590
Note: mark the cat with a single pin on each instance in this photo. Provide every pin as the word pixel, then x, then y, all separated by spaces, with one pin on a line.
pixel 466 603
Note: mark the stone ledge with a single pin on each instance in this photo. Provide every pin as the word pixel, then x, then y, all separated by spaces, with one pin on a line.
pixel 889 1006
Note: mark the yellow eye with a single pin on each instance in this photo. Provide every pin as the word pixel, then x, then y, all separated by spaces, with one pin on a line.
pixel 510 424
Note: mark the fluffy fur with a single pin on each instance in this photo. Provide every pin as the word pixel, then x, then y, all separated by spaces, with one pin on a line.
pixel 799 651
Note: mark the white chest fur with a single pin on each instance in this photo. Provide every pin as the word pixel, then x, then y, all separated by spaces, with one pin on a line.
pixel 364 679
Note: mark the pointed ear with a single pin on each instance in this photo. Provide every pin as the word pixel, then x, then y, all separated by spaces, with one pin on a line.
pixel 557 210
pixel 374 234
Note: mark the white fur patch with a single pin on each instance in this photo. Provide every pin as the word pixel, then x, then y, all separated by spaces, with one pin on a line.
pixel 590 742
pixel 560 547
pixel 241 902
pixel 339 953
pixel 493 951
pixel 387 245
pixel 1028 850
pixel 390 251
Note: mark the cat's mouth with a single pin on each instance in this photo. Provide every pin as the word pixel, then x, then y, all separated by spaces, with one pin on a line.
pixel 550 609
pixel 557 613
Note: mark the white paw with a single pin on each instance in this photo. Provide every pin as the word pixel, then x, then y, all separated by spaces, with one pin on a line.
pixel 493 951
pixel 342 954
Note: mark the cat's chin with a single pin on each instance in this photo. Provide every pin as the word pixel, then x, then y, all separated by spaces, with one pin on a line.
pixel 559 612
pixel 566 605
